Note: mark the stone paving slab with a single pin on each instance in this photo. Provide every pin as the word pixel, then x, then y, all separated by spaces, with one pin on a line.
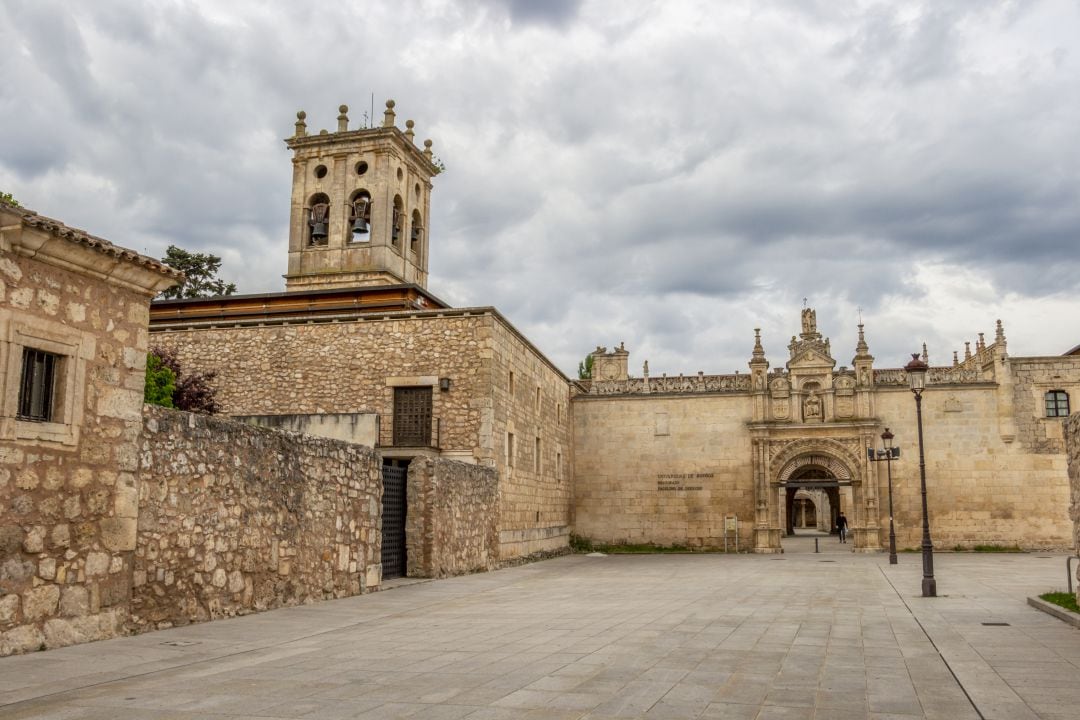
pixel 829 635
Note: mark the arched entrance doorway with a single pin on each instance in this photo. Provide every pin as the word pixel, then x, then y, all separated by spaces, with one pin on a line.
pixel 827 473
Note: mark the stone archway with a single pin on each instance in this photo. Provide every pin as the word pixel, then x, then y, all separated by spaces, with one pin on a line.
pixel 821 463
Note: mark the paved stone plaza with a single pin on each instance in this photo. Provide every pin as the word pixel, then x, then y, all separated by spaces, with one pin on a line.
pixel 831 636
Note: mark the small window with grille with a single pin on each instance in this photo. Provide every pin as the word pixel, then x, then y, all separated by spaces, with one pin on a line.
pixel 1057 403
pixel 37 387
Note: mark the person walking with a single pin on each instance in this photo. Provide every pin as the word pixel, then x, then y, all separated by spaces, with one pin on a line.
pixel 841 526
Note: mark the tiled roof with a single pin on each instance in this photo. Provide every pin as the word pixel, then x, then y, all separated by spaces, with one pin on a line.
pixel 81 237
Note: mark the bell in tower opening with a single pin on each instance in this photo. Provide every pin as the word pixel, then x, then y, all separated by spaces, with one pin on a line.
pixel 357 196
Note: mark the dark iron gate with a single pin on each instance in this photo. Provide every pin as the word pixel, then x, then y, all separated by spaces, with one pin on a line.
pixel 393 521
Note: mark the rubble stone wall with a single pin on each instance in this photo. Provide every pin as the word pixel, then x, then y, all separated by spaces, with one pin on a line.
pixel 67 487
pixel 235 519
pixel 451 526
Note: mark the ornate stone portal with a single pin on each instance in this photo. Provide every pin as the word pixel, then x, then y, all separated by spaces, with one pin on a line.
pixel 810 426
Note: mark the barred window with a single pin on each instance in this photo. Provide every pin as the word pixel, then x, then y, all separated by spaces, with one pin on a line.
pixel 1057 403
pixel 37 385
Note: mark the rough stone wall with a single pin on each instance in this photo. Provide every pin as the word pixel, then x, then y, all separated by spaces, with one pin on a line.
pixel 536 492
pixel 663 470
pixel 352 367
pixel 345 367
pixel 1032 379
pixel 235 519
pixel 451 526
pixel 1072 444
pixel 67 488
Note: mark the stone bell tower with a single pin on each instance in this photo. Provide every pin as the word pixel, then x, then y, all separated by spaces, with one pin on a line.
pixel 360 205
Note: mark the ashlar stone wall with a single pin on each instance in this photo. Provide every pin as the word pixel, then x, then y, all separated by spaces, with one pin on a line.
pixel 664 470
pixel 451 526
pixel 234 519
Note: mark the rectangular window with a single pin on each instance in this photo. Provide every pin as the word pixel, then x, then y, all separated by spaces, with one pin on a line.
pixel 558 466
pixel 536 457
pixel 37 387
pixel 510 449
pixel 412 416
pixel 537 398
pixel 558 413
pixel 511 384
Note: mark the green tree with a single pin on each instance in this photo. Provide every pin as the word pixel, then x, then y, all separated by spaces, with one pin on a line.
pixel 7 198
pixel 584 369
pixel 193 391
pixel 160 382
pixel 200 271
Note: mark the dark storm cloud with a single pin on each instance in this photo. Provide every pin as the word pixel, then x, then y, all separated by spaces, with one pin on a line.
pixel 668 174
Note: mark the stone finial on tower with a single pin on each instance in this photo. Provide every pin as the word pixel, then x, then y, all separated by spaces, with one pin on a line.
pixel 981 345
pixel 861 348
pixel 389 114
pixel 955 358
pixel 999 335
pixel 409 133
pixel 759 351
pixel 925 355
pixel 301 125
pixel 343 118
pixel 427 150
pixel 967 350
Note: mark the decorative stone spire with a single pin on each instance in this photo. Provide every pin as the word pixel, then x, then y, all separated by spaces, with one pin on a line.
pixel 955 358
pixel 759 351
pixel 409 130
pixel 861 348
pixel 999 335
pixel 343 118
pixel 645 368
pixel 967 350
pixel 301 126
pixel 389 114
pixel 925 355
pixel 981 345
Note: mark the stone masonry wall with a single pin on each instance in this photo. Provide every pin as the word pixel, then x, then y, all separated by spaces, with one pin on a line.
pixel 235 519
pixel 536 489
pixel 1072 445
pixel 344 368
pixel 451 526
pixel 1032 379
pixel 67 488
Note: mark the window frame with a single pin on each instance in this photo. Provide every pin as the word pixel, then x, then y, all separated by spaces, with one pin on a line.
pixel 1052 403
pixel 73 349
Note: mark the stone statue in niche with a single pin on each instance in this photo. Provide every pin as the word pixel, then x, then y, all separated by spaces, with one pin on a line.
pixel 809 321
pixel 864 377
pixel 812 407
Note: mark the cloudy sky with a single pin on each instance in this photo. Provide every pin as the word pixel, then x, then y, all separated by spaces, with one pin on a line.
pixel 669 174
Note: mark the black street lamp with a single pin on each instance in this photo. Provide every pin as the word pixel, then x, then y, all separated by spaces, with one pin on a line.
pixel 916 372
pixel 889 454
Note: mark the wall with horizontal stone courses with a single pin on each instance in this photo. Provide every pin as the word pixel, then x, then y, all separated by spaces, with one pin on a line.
pixel 1072 444
pixel 536 491
pixel 1032 379
pixel 234 519
pixel 344 367
pixel 664 470
pixel 452 521
pixel 67 488
pixel 981 489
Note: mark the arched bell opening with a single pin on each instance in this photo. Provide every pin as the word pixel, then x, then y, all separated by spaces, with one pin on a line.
pixel 318 219
pixel 397 221
pixel 360 217
pixel 416 232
